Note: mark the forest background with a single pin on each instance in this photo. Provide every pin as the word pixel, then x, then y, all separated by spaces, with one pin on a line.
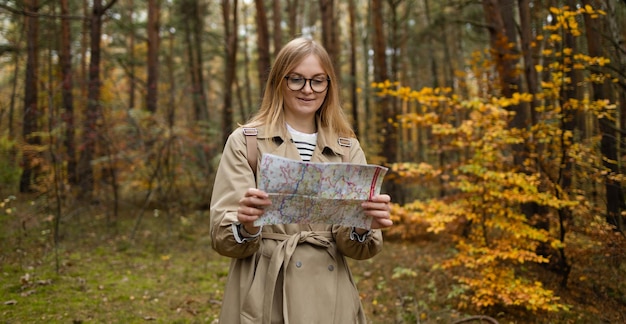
pixel 501 122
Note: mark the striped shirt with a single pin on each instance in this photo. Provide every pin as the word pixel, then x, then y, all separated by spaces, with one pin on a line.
pixel 304 142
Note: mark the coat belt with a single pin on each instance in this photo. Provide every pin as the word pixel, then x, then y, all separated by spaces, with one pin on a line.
pixel 281 257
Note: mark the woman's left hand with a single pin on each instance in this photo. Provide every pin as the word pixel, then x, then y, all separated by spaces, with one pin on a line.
pixel 379 209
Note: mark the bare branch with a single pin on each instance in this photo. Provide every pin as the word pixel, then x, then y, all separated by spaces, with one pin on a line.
pixel 39 15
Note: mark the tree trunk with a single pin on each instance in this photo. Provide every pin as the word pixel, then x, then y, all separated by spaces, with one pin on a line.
pixel 31 110
pixel 263 44
pixel 608 127
pixel 385 109
pixel 230 34
pixel 531 210
pixel 132 84
pixel 171 105
pixel 84 46
pixel 153 55
pixel 500 20
pixel 449 67
pixel 201 85
pixel 387 138
pixel 499 37
pixel 65 59
pixel 329 33
pixel 394 41
pixel 393 138
pixel 366 45
pixel 277 22
pixel 85 172
pixel 353 67
pixel 615 216
pixel 247 108
pixel 530 73
pixel 192 68
pixel 292 8
pixel 380 44
pixel 15 81
pixel 192 13
pixel 568 91
pixel 92 115
pixel 433 59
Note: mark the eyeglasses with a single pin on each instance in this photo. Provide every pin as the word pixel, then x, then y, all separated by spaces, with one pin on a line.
pixel 297 83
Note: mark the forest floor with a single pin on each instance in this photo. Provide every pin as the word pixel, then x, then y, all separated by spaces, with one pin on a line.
pixel 166 272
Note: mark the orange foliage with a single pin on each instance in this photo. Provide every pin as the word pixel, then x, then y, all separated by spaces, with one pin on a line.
pixel 481 190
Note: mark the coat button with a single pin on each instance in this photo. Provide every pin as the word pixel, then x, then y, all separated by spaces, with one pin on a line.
pixel 331 267
pixel 298 264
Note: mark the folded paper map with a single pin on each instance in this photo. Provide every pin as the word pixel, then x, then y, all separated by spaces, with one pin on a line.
pixel 317 193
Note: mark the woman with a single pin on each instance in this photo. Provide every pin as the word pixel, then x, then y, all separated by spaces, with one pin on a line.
pixel 291 273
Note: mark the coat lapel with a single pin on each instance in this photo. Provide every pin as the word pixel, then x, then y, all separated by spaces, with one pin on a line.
pixel 326 150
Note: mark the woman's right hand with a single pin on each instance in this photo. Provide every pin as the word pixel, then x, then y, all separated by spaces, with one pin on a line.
pixel 251 207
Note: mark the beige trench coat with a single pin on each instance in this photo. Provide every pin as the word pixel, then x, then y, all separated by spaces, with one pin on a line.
pixel 291 273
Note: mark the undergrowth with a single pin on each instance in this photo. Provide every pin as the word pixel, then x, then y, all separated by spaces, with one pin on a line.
pixel 168 273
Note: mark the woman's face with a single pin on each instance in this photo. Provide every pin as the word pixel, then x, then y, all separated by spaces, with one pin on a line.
pixel 301 104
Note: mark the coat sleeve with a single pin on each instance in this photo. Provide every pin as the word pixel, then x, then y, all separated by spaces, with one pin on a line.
pixel 373 244
pixel 234 176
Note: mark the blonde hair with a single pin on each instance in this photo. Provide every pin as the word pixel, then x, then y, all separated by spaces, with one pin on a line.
pixel 330 114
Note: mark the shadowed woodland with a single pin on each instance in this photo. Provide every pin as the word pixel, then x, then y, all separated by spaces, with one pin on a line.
pixel 500 122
